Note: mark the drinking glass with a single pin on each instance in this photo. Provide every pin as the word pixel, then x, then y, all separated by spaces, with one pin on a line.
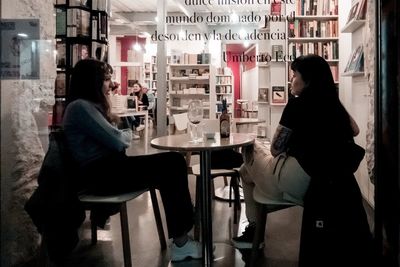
pixel 195 116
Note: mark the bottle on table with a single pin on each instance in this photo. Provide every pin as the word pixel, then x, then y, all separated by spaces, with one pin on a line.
pixel 224 121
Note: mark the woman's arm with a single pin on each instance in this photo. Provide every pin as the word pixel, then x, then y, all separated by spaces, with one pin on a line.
pixel 280 140
pixel 93 123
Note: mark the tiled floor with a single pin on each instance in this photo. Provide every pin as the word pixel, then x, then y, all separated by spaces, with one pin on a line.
pixel 282 236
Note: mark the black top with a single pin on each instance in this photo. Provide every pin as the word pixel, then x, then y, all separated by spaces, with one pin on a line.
pixel 319 132
pixel 145 99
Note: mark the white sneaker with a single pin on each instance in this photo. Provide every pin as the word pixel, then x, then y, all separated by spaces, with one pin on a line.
pixel 192 249
pixel 140 128
pixel 135 136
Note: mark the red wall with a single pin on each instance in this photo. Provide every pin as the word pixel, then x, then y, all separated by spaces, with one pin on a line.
pixel 235 67
pixel 127 43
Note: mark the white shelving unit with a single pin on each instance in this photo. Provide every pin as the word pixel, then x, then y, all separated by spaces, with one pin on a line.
pixel 224 82
pixel 188 82
pixel 359 95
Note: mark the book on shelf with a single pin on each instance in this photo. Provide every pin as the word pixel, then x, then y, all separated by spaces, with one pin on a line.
pixel 353 11
pixel 263 95
pixel 78 22
pixel 83 3
pixel 95 27
pixel 61 54
pixel 356 61
pixel 276 8
pixel 278 95
pixel 327 50
pixel 78 52
pixel 101 5
pixel 362 10
pixel 60 85
pixel 61 19
pixel 99 51
pixel 277 52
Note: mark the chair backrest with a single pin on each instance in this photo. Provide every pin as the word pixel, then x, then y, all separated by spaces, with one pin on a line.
pixel 181 121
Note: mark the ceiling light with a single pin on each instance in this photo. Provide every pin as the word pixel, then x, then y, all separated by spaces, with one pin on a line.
pixel 23 35
pixel 137 47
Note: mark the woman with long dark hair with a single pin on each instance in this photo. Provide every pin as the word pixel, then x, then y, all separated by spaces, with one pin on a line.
pixel 315 129
pixel 99 150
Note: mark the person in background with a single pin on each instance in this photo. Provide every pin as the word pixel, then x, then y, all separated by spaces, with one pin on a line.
pixel 316 130
pixel 98 149
pixel 140 94
pixel 150 96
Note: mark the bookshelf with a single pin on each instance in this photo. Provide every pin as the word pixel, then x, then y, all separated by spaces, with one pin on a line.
pixel 355 26
pixel 81 32
pixel 315 31
pixel 188 82
pixel 224 90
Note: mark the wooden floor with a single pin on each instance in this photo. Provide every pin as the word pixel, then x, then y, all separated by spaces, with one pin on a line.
pixel 282 235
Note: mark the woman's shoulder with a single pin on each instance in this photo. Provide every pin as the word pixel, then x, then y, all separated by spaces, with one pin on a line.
pixel 80 103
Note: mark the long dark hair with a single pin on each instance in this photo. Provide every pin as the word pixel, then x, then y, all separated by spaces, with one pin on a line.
pixel 87 81
pixel 317 76
pixel 320 88
pixel 140 93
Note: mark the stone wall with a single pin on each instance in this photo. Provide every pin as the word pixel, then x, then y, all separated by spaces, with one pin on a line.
pixel 369 65
pixel 21 149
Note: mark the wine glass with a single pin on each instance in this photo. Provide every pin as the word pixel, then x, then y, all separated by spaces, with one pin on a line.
pixel 195 115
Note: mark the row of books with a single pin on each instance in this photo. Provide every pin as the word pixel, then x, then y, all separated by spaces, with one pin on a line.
pixel 327 50
pixel 186 58
pixel 223 89
pixel 224 71
pixel 76 22
pixel 182 86
pixel 101 5
pixel 186 72
pixel 80 51
pixel 224 80
pixel 317 7
pixel 314 28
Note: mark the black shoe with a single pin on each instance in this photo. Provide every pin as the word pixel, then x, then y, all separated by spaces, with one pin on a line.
pixel 245 241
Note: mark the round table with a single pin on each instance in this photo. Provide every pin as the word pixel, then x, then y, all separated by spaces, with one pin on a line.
pixel 183 143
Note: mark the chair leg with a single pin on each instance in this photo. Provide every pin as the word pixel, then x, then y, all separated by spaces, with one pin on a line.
pixel 125 236
pixel 93 229
pixel 157 216
pixel 259 233
pixel 225 181
pixel 236 205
